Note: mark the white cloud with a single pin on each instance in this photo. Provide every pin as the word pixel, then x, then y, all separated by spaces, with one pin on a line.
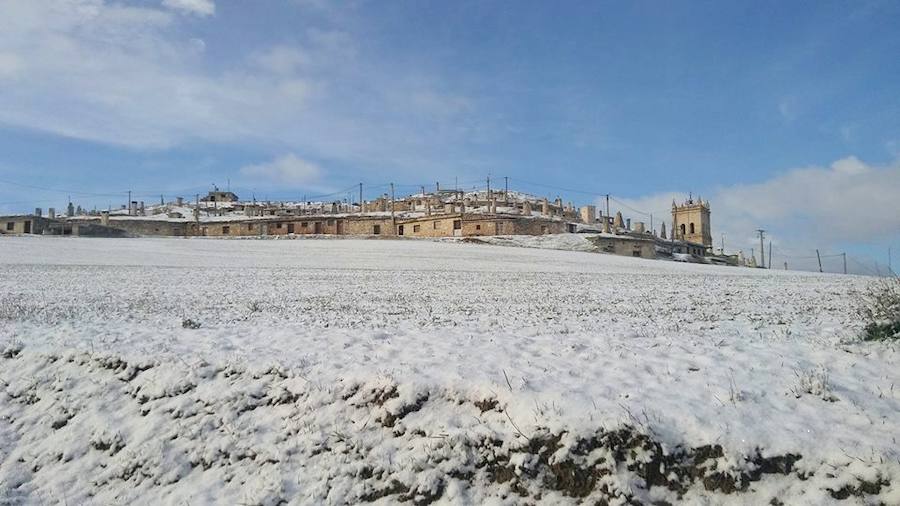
pixel 287 170
pixel 199 7
pixel 134 76
pixel 803 209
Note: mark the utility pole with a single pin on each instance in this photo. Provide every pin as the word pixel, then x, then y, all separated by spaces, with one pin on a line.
pixel 785 266
pixel 762 247
pixel 770 254
pixel 360 199
pixel 819 257
pixel 129 202
pixel 392 203
pixel 723 244
pixel 607 205
pixel 845 262
pixel 652 231
pixel 489 187
pixel 506 187
pixel 197 215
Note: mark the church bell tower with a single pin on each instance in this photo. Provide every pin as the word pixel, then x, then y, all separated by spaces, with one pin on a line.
pixel 690 222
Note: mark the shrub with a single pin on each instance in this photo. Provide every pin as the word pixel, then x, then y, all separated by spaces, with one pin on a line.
pixel 882 311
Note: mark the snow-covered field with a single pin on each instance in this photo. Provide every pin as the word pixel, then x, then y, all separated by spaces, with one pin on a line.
pixel 341 371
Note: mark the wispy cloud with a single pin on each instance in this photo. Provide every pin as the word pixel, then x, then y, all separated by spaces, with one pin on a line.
pixel 136 77
pixel 199 7
pixel 286 170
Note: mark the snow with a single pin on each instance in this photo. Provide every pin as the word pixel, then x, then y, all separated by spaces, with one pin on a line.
pixel 309 350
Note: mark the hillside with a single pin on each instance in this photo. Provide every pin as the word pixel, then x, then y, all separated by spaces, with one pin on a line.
pixel 336 371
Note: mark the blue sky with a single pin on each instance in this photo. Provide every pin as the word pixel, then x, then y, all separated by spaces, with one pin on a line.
pixel 745 103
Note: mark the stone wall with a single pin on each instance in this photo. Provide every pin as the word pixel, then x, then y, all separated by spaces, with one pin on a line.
pixel 626 246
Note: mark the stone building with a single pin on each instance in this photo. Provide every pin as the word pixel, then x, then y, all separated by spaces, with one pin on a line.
pixel 690 222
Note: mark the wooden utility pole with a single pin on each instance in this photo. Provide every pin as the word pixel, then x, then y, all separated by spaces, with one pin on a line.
pixel 392 204
pixel 607 205
pixel 505 185
pixel 845 262
pixel 770 254
pixel 762 247
pixel 489 187
pixel 819 257
pixel 360 199
pixel 129 202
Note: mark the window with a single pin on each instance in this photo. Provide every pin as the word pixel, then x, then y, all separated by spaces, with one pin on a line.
pixel 330 223
pixel 457 225
pixel 636 253
pixel 250 227
pixel 290 228
pixel 10 225
pixel 543 229
pixel 682 230
pixel 376 229
pixel 692 228
pixel 434 225
pixel 304 225
pixel 416 228
pixel 226 229
pixel 477 227
pixel 278 225
pixel 400 230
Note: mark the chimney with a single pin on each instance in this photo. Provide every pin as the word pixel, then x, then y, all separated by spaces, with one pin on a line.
pixel 618 223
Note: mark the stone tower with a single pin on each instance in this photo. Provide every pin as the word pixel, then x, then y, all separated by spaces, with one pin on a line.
pixel 691 222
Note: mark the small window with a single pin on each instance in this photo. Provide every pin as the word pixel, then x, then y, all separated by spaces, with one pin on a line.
pixel 400 230
pixel 376 229
pixel 636 253
pixel 226 229
pixel 457 224
pixel 10 225
pixel 543 230
pixel 304 225
pixel 692 228
pixel 330 223
pixel 250 226
pixel 434 225
pixel 683 231
pixel 290 229
pixel 477 227
pixel 416 228
pixel 278 225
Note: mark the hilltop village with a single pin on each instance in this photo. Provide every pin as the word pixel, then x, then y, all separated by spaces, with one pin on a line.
pixel 442 213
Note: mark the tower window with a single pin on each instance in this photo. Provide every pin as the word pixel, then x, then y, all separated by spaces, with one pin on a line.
pixel 692 228
pixel 682 230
